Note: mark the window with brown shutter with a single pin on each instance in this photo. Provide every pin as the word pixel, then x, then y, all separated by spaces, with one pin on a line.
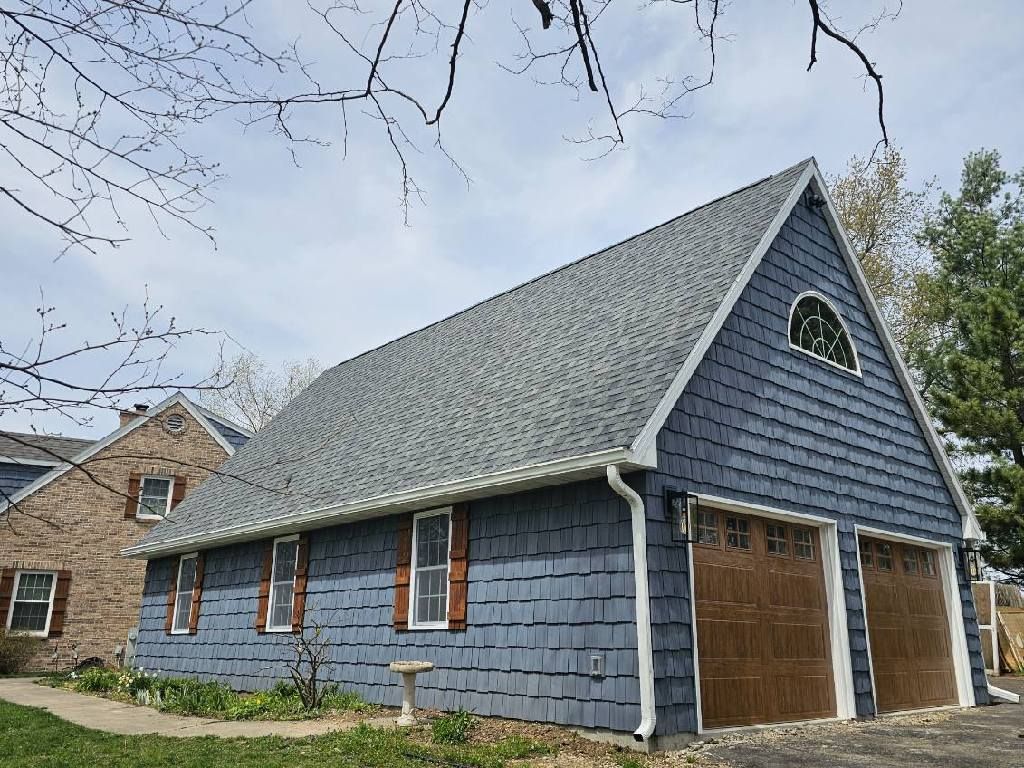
pixel 197 594
pixel 60 603
pixel 265 574
pixel 131 502
pixel 178 491
pixel 299 595
pixel 172 595
pixel 403 573
pixel 6 593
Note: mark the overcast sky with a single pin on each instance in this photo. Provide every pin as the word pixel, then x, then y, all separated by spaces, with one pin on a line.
pixel 315 261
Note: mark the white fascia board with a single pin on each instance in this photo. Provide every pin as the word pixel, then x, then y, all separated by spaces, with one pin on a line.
pixel 530 476
pixel 646 441
pixel 177 398
pixel 971 529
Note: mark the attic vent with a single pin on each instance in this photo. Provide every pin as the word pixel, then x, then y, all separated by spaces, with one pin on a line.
pixel 174 423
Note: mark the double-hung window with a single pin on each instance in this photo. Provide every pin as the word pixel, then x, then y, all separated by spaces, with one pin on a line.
pixel 155 496
pixel 282 584
pixel 431 538
pixel 183 595
pixel 32 602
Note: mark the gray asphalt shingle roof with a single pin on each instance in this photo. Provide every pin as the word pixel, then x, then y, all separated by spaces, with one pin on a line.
pixel 41 447
pixel 568 364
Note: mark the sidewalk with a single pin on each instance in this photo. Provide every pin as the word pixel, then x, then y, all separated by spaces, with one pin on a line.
pixel 128 719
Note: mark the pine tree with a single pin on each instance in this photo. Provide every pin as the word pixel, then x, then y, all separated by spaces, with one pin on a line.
pixel 973 362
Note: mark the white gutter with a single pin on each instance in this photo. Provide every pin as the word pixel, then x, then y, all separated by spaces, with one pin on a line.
pixel 645 654
pixel 1000 693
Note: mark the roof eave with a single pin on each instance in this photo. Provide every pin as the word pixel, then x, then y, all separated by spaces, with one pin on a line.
pixel 555 472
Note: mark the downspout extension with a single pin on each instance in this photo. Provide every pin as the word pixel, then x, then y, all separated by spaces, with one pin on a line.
pixel 645 654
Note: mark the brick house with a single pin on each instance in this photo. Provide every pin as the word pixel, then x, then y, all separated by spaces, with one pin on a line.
pixel 61 576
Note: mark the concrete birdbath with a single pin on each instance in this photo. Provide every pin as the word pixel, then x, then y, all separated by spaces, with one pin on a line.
pixel 408 670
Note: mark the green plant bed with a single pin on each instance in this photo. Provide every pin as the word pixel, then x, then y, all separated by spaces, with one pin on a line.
pixel 184 696
pixel 33 738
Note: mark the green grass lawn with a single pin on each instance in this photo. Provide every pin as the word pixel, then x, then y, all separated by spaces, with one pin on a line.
pixel 33 738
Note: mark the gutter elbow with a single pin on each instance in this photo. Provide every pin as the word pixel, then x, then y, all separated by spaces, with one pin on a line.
pixel 644 646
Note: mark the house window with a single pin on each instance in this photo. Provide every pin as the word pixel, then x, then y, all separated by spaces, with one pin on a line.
pixel 883 554
pixel 282 584
pixel 816 328
pixel 909 560
pixel 737 533
pixel 430 549
pixel 155 496
pixel 707 527
pixel 776 537
pixel 803 543
pixel 867 555
pixel 927 562
pixel 183 594
pixel 32 603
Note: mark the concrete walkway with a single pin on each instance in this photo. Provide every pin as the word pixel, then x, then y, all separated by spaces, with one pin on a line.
pixel 128 719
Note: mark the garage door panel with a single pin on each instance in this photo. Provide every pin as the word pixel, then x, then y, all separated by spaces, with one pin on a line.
pixel 908 629
pixel 762 623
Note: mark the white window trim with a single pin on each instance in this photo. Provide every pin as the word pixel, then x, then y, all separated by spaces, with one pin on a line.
pixel 140 515
pixel 45 631
pixel 412 570
pixel 176 630
pixel 268 627
pixel 856 371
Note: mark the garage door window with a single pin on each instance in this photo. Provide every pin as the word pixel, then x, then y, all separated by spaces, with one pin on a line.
pixel 737 533
pixel 803 544
pixel 909 561
pixel 778 543
pixel 867 555
pixel 883 556
pixel 927 562
pixel 707 527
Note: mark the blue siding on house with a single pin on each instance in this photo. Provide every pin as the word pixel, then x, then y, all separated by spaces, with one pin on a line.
pixel 550 583
pixel 14 477
pixel 764 424
pixel 234 438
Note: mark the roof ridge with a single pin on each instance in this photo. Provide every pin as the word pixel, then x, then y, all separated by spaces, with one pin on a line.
pixel 580 260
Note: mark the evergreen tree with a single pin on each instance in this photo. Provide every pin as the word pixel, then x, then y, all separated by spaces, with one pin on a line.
pixel 973 361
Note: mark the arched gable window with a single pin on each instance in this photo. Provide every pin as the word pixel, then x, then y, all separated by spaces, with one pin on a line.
pixel 817 329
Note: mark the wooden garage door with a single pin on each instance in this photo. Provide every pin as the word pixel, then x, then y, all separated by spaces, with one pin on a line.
pixel 762 621
pixel 907 625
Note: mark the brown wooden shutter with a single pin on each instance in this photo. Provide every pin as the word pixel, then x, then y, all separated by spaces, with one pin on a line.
pixel 459 570
pixel 131 502
pixel 6 593
pixel 60 603
pixel 178 490
pixel 197 594
pixel 403 572
pixel 265 574
pixel 172 593
pixel 301 571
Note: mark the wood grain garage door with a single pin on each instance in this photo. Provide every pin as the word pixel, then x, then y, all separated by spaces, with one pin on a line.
pixel 762 621
pixel 907 625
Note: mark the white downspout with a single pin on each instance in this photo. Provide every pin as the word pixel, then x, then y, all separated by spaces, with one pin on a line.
pixel 645 654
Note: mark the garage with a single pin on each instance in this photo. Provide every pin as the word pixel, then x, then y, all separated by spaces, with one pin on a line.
pixel 761 610
pixel 908 629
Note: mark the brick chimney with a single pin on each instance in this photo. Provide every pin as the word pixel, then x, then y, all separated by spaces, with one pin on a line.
pixel 137 410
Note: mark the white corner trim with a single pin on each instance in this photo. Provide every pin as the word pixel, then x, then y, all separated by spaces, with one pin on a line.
pixel 849 336
pixel 649 434
pixel 971 527
pixel 954 608
pixel 177 398
pixel 644 644
pixel 839 633
pixel 532 475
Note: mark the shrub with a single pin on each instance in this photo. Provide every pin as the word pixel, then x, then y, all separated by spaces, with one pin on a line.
pixel 16 651
pixel 96 680
pixel 452 728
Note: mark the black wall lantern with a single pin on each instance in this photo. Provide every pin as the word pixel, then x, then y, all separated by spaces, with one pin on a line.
pixel 680 510
pixel 972 560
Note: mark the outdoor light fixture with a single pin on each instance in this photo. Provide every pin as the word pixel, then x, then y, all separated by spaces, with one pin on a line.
pixel 972 560
pixel 679 508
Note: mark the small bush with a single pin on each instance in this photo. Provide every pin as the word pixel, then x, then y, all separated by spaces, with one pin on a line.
pixel 96 680
pixel 16 651
pixel 452 728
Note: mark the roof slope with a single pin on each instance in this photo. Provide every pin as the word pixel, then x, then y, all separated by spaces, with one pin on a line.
pixel 46 448
pixel 571 363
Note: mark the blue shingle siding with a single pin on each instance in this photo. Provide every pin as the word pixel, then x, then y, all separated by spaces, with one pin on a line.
pixel 761 423
pixel 234 438
pixel 14 477
pixel 550 583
